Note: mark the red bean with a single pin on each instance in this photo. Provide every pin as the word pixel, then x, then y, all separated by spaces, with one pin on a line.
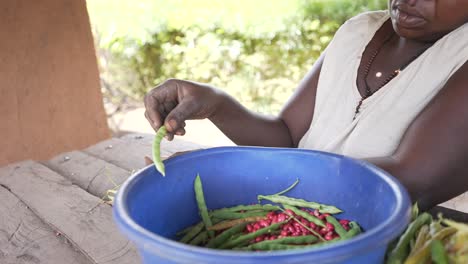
pixel 344 222
pixel 330 226
pixel 316 213
pixel 249 228
pixel 284 233
pixel 281 217
pixel 289 212
pixel 312 225
pixel 263 223
pixel 323 231
pixel 270 215
pixel 259 239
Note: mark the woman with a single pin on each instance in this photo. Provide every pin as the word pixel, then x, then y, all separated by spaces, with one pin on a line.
pixel 391 88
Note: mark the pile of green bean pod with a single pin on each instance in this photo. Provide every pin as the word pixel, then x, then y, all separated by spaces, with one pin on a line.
pixel 428 240
pixel 290 223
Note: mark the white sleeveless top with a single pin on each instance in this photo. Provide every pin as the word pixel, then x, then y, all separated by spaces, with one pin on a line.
pixel 385 116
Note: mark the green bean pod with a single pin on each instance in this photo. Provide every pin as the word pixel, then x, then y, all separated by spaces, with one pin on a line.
pixel 235 215
pixel 288 189
pixel 435 227
pixel 224 236
pixel 323 208
pixel 339 229
pixel 306 227
pixel 438 253
pixel 414 211
pixel 264 207
pixel 305 215
pixel 412 243
pixel 199 239
pixel 273 246
pixel 187 229
pixel 195 230
pixel 327 242
pixel 279 246
pixel 157 150
pixel 459 226
pixel 191 231
pixel 424 253
pixel 299 240
pixel 401 250
pixel 321 244
pixel 354 231
pixel 230 223
pixel 202 205
pixel 248 237
pixel 421 239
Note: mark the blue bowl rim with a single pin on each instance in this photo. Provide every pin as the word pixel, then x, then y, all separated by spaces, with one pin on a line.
pixel 369 240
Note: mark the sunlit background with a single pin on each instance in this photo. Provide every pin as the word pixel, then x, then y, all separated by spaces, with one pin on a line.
pixel 256 50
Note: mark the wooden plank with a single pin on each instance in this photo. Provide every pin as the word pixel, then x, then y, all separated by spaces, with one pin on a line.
pixel 128 152
pixel 24 238
pixel 78 215
pixel 94 175
pixel 168 148
pixel 120 153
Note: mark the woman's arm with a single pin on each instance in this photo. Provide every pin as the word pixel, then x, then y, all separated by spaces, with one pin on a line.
pixel 175 101
pixel 432 158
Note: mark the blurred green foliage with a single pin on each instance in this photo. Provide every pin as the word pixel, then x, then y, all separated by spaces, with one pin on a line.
pixel 261 68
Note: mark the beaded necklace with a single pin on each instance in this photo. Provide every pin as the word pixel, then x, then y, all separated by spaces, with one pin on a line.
pixel 385 81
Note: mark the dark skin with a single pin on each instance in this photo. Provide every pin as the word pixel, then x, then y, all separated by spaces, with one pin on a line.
pixel 432 158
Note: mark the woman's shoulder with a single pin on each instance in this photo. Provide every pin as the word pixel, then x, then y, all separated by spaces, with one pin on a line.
pixel 364 23
pixel 359 29
pixel 368 18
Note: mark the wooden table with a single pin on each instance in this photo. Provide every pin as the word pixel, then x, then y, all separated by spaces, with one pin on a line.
pixel 52 211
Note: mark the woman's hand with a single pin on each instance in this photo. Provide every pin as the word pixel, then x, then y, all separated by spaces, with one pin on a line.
pixel 175 101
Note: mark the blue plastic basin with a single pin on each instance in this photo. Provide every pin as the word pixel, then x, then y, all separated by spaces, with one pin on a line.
pixel 149 209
